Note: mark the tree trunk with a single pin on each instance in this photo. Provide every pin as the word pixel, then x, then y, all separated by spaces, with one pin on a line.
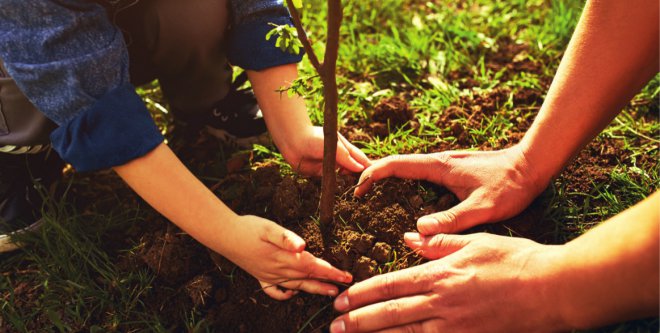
pixel 327 72
pixel 331 97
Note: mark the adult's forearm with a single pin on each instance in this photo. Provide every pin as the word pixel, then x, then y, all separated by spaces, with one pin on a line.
pixel 610 273
pixel 166 184
pixel 612 54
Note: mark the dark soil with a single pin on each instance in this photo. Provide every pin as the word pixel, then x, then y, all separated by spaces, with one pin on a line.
pixel 366 239
pixel 367 235
pixel 391 114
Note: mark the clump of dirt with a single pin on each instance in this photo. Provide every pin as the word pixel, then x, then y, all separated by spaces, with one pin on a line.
pixel 364 268
pixel 513 56
pixel 391 114
pixel 381 252
pixel 506 57
pixel 470 112
pixel 199 289
pixel 173 256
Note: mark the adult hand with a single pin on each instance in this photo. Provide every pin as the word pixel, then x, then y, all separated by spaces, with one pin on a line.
pixel 492 186
pixel 276 257
pixel 307 155
pixel 479 283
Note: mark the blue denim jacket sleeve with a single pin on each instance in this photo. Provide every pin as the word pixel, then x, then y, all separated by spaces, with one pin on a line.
pixel 248 47
pixel 72 63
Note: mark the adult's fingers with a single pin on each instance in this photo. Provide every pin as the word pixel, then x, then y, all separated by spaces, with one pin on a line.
pixel 431 325
pixel 283 238
pixel 355 152
pixel 437 246
pixel 391 313
pixel 466 214
pixel 406 282
pixel 429 167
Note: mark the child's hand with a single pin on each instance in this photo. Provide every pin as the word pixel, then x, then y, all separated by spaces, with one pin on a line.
pixel 289 125
pixel 307 157
pixel 276 257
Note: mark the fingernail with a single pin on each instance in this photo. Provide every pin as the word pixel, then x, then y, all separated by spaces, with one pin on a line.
pixel 332 292
pixel 338 326
pixel 412 237
pixel 341 303
pixel 426 220
pixel 426 223
pixel 344 278
pixel 348 278
pixel 415 244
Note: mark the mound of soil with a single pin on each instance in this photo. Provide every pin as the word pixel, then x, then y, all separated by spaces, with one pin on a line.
pixel 391 114
pixel 366 239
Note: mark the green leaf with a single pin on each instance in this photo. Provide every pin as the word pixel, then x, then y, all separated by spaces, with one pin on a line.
pixel 296 3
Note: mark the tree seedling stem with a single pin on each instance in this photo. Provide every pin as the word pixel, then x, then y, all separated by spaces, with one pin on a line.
pixel 327 72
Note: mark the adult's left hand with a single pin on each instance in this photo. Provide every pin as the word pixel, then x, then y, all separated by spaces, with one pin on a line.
pixel 478 283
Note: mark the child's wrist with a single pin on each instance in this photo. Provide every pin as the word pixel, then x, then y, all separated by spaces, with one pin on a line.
pixel 296 143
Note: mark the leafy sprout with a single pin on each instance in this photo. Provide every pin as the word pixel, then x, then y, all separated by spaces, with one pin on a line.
pixel 287 38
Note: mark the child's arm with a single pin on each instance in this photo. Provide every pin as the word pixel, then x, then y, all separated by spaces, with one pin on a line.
pixel 264 249
pixel 300 142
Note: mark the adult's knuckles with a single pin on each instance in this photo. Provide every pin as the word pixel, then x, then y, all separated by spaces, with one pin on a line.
pixel 392 312
pixel 390 286
pixel 449 222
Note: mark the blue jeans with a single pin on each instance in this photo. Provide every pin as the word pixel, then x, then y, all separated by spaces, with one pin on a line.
pixel 180 43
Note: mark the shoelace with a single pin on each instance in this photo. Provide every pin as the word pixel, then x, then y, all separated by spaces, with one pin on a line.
pixel 19 150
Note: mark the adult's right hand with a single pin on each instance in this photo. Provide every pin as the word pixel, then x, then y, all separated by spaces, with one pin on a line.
pixel 492 186
pixel 473 283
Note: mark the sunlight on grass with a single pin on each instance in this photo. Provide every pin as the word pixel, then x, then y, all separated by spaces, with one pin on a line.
pixel 435 55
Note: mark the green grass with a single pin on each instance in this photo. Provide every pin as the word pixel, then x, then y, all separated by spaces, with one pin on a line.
pixel 399 48
pixel 69 265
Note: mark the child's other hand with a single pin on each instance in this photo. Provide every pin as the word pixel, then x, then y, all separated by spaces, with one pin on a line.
pixel 307 157
pixel 276 257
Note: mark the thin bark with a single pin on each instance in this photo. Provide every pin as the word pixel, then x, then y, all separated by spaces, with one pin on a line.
pixel 327 72
pixel 331 96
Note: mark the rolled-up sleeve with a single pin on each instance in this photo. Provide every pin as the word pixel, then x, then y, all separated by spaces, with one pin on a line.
pixel 248 47
pixel 72 64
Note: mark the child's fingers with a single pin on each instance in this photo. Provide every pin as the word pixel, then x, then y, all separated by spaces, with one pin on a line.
pixel 276 293
pixel 346 160
pixel 310 265
pixel 312 287
pixel 283 238
pixel 355 152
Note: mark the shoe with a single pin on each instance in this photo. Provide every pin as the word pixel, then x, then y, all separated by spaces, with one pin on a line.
pixel 236 119
pixel 21 176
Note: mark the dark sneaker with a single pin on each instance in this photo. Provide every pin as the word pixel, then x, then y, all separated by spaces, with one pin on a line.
pixel 236 119
pixel 20 201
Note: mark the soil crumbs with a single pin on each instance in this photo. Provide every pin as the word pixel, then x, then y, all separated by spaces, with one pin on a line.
pixel 366 239
pixel 367 235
